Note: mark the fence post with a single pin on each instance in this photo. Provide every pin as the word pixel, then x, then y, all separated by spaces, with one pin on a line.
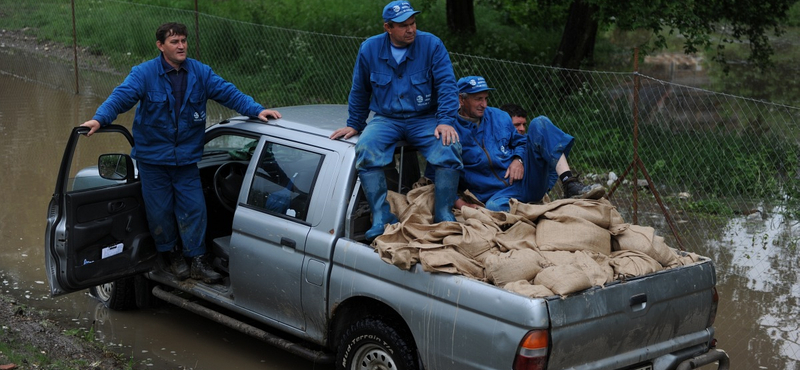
pixel 75 49
pixel 197 29
pixel 637 164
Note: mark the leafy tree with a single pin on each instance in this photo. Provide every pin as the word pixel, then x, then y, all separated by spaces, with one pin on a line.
pixel 701 24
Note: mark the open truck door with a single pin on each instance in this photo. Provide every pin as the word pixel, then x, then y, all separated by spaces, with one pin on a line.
pixel 96 225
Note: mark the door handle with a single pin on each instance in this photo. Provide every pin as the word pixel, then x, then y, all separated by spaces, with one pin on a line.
pixel 116 206
pixel 638 302
pixel 288 242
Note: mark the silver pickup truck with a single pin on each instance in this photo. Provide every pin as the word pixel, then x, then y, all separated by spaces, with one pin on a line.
pixel 286 225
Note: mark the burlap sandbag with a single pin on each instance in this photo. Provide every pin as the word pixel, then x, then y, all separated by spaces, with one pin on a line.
pixel 685 258
pixel 598 212
pixel 572 234
pixel 520 236
pixel 475 238
pixel 599 273
pixel 448 260
pixel 420 204
pixel 527 289
pixel 518 264
pixel 633 263
pixel 627 237
pixel 563 280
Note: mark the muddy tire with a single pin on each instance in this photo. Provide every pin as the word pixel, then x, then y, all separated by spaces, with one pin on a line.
pixel 143 291
pixel 371 344
pixel 117 295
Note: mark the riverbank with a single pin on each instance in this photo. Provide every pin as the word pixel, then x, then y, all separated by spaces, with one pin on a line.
pixel 30 340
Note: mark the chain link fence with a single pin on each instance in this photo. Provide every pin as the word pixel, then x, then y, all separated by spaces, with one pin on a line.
pixel 716 174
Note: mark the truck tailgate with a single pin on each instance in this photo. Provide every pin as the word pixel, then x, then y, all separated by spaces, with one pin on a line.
pixel 634 321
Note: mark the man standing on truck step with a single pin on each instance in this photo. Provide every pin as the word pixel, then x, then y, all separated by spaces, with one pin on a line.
pixel 168 131
pixel 500 164
pixel 406 78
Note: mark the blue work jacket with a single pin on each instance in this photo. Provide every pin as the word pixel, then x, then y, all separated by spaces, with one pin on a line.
pixel 422 84
pixel 487 150
pixel 159 139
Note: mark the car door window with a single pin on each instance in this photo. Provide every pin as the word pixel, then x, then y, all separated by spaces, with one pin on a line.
pixel 283 180
pixel 84 174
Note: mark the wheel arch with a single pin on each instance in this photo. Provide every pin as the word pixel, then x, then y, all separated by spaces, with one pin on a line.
pixel 355 308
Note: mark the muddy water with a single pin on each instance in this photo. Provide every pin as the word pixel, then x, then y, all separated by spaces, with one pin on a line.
pixel 756 258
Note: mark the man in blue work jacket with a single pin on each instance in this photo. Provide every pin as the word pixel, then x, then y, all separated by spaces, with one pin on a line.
pixel 500 164
pixel 168 131
pixel 406 78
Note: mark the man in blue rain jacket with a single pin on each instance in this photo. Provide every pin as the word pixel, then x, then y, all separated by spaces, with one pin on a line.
pixel 500 164
pixel 406 78
pixel 168 131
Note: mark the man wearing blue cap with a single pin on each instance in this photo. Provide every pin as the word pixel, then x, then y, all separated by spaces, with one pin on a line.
pixel 500 164
pixel 406 78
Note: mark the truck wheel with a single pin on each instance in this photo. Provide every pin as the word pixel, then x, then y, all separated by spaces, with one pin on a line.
pixel 143 291
pixel 372 344
pixel 117 295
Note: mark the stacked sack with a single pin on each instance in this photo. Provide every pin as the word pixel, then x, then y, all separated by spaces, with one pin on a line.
pixel 537 250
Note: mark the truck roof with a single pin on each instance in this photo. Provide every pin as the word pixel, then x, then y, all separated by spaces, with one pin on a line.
pixel 317 119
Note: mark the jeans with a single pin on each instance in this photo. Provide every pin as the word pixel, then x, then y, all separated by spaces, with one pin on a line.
pixel 375 148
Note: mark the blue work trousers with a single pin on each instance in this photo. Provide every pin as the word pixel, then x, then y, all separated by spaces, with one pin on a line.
pixel 375 148
pixel 546 143
pixel 175 206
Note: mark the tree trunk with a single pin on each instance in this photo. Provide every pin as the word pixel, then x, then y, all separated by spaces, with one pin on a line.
pixel 577 41
pixel 461 16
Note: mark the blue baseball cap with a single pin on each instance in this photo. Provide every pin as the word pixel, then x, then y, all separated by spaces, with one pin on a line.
pixel 398 11
pixel 472 84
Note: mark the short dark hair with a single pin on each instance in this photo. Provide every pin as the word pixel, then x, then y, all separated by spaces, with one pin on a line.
pixel 514 110
pixel 169 29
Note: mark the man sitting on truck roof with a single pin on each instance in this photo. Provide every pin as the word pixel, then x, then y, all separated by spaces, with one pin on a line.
pixel 500 164
pixel 405 76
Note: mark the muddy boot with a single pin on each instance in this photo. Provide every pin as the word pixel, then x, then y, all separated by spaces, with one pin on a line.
pixel 174 262
pixel 374 184
pixel 573 188
pixel 202 271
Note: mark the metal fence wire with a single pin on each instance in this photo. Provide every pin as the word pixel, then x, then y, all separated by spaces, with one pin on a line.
pixel 721 166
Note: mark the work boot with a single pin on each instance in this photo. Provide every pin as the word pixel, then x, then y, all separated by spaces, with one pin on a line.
pixel 174 262
pixel 202 271
pixel 374 184
pixel 574 188
pixel 445 193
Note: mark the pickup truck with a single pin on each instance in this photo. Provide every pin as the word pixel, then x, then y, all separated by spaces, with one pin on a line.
pixel 298 273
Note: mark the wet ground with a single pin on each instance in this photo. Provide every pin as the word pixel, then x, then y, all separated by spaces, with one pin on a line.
pixel 755 254
pixel 35 121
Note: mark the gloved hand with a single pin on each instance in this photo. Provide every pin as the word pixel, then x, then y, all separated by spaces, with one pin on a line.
pixel 279 201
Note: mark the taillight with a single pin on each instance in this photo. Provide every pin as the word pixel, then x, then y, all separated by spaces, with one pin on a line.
pixel 714 304
pixel 532 352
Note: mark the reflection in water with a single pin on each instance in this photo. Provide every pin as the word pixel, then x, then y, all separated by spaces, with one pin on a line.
pixel 756 259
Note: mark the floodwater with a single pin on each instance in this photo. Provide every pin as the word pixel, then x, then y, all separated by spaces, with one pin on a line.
pixel 758 322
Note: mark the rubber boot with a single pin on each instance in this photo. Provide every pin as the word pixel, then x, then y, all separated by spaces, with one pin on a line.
pixel 374 184
pixel 445 191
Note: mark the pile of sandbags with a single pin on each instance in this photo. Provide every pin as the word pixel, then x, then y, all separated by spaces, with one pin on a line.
pixel 537 250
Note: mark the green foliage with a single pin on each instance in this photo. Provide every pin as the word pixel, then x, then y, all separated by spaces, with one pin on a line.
pixel 702 25
pixel 711 207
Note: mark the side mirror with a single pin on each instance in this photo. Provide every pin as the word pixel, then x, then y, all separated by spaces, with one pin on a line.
pixel 115 167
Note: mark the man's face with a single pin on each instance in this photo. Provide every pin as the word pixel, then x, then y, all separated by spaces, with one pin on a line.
pixel 402 34
pixel 519 124
pixel 474 105
pixel 174 49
